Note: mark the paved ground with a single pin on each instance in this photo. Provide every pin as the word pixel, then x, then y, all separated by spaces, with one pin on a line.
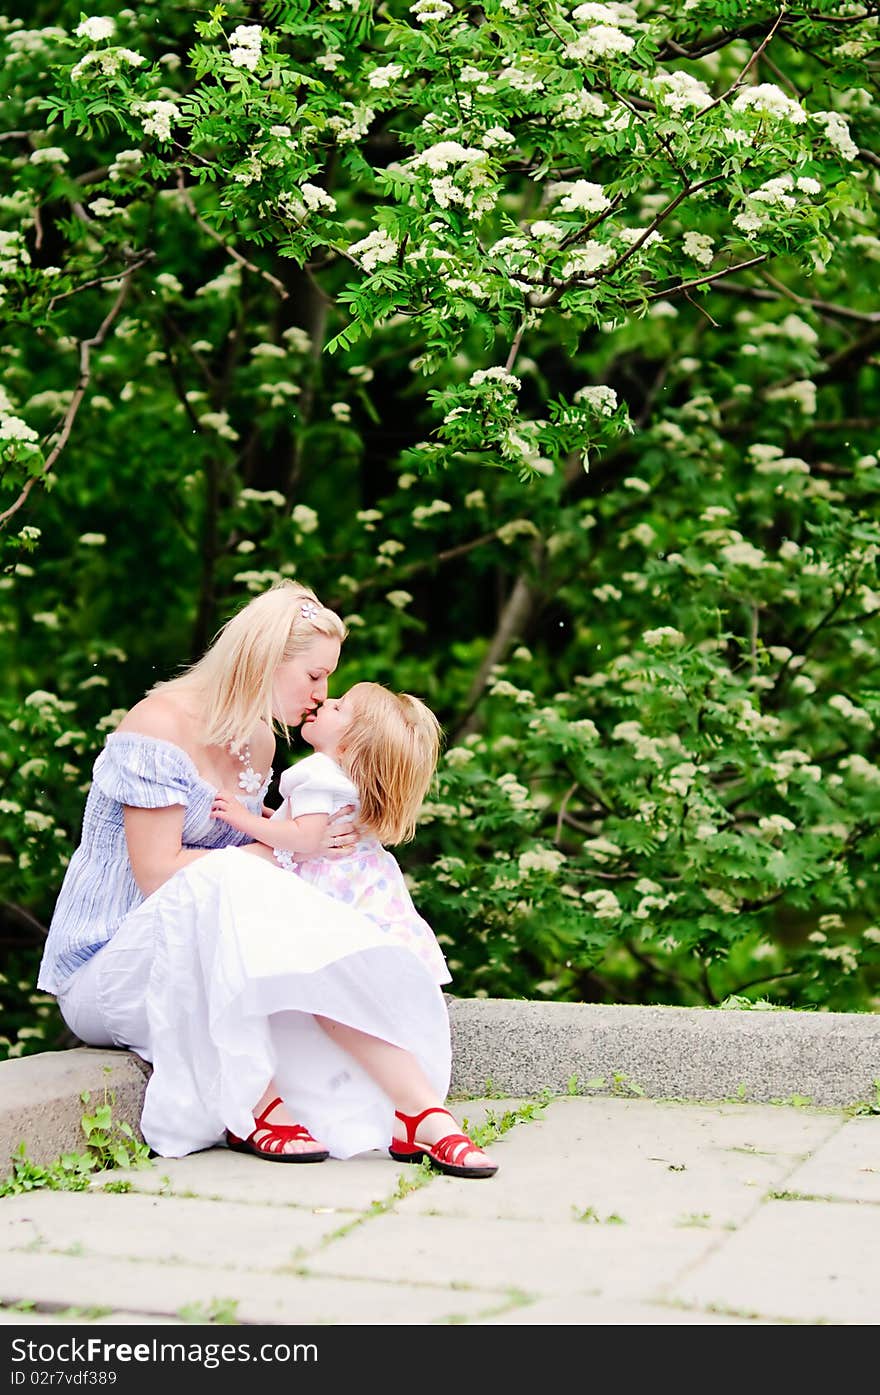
pixel 606 1210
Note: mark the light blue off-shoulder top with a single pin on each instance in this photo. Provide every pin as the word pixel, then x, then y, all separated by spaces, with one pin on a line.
pixel 99 888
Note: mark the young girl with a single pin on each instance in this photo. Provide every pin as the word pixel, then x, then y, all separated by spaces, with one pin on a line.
pixel 374 750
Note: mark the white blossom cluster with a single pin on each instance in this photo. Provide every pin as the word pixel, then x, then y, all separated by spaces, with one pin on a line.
pixel 499 377
pixel 765 99
pixel 580 196
pixel 521 80
pixel 680 90
pixel 108 61
pixel 315 198
pixel 540 860
pixel 377 248
pixel 802 393
pixel 599 399
pixel 850 711
pixel 603 904
pixel 602 41
pixel 665 634
pixel 588 258
pixel 245 46
pixel 49 155
pixel 837 133
pixel 383 77
pixel 699 246
pixel 775 823
pixel 861 769
pixel 157 118
pixel 574 107
pixel 95 29
pixel 126 164
pixel 352 123
pixel 426 11
pixel 24 42
pixel 13 429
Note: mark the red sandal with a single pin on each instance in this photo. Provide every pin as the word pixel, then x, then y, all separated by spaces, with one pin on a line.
pixel 443 1153
pixel 271 1146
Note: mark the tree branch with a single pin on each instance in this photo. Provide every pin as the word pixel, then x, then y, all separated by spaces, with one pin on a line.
pixel 230 251
pixel 85 373
pixel 511 623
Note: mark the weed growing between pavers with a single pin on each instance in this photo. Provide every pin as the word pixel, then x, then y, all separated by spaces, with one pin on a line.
pixel 803 1196
pixel 493 1126
pixel 30 1307
pixel 869 1106
pixel 218 1312
pixel 590 1215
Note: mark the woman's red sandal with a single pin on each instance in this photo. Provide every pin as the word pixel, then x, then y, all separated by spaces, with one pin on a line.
pixel 271 1146
pixel 443 1154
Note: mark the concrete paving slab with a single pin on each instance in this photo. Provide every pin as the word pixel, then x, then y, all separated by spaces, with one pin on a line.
pixel 583 1311
pixel 170 1229
pixel 223 1175
pixel 532 1257
pixel 800 1260
pixel 847 1166
pixel 168 1289
pixel 69 1318
pixel 647 1162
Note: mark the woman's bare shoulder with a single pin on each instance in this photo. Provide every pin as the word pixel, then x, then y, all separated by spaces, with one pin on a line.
pixel 157 715
pixel 263 747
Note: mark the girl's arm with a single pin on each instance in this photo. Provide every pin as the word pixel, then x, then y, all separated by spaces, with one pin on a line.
pixel 300 835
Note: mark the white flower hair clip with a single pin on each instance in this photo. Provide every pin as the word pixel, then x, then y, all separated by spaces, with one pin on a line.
pixel 308 611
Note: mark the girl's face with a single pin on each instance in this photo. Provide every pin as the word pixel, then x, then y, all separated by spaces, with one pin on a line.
pixel 326 730
pixel 301 683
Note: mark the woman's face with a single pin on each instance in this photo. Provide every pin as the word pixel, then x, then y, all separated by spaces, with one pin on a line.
pixel 301 683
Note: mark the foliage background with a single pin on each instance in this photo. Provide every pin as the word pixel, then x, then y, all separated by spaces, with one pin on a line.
pixel 633 569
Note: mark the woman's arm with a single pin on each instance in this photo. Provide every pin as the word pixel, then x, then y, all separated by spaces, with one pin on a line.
pixel 155 848
pixel 302 835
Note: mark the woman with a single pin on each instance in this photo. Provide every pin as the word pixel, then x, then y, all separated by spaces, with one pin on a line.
pixel 271 1013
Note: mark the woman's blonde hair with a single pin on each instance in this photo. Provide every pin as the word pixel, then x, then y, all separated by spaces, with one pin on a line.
pixel 235 677
pixel 390 751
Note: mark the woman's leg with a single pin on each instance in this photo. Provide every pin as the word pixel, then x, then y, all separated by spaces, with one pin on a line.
pixel 399 1074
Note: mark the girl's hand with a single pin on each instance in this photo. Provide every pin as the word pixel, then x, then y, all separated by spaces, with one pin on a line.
pixel 340 835
pixel 231 811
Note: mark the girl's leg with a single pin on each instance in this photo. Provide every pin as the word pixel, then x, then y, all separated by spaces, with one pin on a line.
pixel 281 1115
pixel 399 1074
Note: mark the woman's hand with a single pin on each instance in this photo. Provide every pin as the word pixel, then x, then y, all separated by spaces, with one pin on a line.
pixel 340 835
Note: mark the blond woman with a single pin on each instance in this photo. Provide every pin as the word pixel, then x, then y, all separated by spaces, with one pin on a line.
pixel 273 1015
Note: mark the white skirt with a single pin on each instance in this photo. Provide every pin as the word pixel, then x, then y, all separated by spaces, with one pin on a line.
pixel 216 979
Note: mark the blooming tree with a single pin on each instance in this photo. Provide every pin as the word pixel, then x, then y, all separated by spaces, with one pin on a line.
pixel 538 339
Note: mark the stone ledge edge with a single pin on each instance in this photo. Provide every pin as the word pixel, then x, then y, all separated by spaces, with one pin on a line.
pixel 517 1048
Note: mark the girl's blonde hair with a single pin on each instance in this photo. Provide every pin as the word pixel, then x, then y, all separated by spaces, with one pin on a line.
pixel 235 677
pixel 390 751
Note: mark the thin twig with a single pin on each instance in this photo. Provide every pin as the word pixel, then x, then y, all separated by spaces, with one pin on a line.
pixel 230 251
pixel 562 808
pixel 822 307
pixel 703 311
pixel 98 281
pixel 738 81
pixel 85 374
pixel 514 348
pixel 702 280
